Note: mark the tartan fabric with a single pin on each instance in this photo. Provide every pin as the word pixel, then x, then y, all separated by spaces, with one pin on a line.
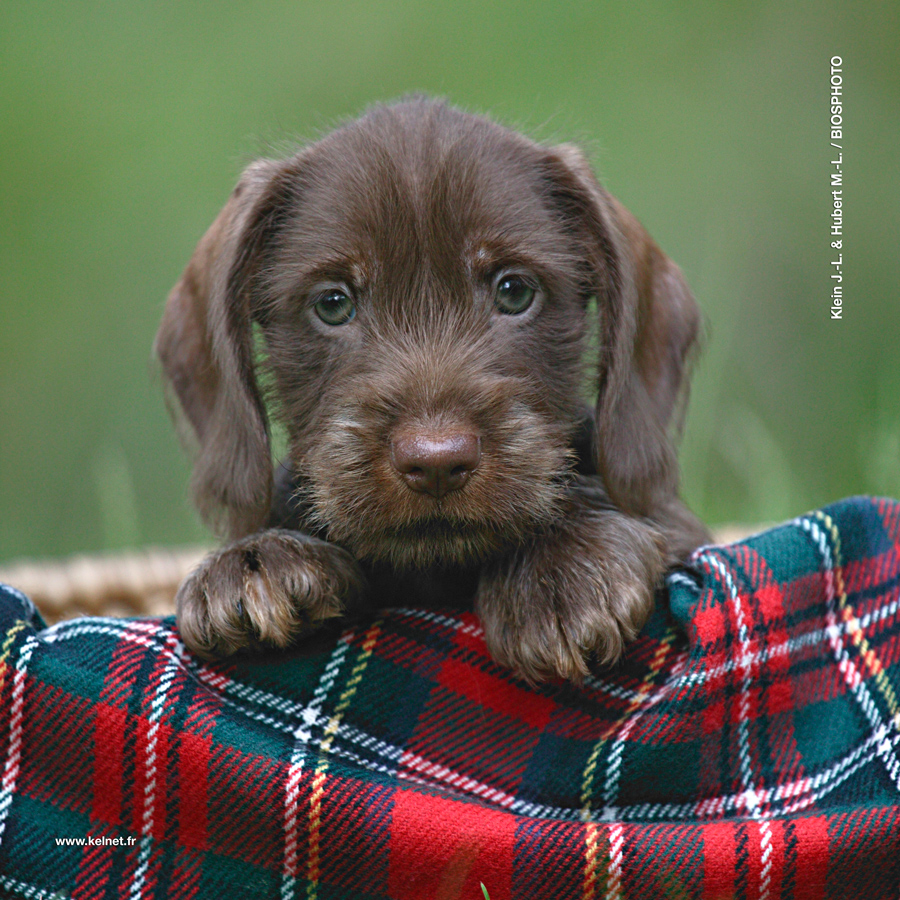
pixel 749 747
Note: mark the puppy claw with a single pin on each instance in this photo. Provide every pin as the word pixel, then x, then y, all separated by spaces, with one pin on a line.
pixel 265 591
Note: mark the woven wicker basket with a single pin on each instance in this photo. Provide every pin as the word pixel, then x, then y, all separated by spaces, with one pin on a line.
pixel 133 584
pixel 120 584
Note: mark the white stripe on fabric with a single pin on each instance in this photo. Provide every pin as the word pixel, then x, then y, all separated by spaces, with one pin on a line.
pixel 151 770
pixel 309 716
pixel 14 750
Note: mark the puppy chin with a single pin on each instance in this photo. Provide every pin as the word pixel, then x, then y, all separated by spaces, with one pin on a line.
pixel 414 533
pixel 429 544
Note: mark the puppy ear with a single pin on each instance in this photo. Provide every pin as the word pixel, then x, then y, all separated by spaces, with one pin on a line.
pixel 205 346
pixel 649 323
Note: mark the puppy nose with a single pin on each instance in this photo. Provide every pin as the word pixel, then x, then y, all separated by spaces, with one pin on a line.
pixel 436 463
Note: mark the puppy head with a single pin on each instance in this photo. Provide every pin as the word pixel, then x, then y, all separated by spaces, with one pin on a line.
pixel 421 278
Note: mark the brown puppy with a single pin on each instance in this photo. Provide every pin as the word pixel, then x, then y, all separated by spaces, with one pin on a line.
pixel 430 298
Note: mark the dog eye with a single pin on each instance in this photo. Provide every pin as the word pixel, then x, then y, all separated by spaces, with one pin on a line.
pixel 513 295
pixel 334 307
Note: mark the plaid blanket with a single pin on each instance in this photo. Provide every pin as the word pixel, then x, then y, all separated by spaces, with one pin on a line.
pixel 749 747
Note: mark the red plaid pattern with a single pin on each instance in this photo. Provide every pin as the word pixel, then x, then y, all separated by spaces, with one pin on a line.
pixel 748 747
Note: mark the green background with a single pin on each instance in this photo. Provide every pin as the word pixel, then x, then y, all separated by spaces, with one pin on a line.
pixel 124 125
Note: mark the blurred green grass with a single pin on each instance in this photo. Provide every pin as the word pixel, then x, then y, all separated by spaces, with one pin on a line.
pixel 124 126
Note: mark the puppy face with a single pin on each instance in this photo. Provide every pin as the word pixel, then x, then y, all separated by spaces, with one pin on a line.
pixel 423 294
pixel 421 278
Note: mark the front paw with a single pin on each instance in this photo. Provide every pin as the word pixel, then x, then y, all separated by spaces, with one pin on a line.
pixel 265 590
pixel 580 591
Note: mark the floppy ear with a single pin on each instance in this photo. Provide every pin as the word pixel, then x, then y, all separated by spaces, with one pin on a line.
pixel 649 323
pixel 205 346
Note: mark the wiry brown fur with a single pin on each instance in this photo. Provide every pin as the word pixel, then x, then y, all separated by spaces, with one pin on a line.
pixel 564 526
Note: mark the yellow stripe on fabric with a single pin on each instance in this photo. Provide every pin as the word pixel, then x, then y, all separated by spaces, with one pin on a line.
pixel 590 860
pixel 318 784
pixel 18 626
pixel 590 769
pixel 854 629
